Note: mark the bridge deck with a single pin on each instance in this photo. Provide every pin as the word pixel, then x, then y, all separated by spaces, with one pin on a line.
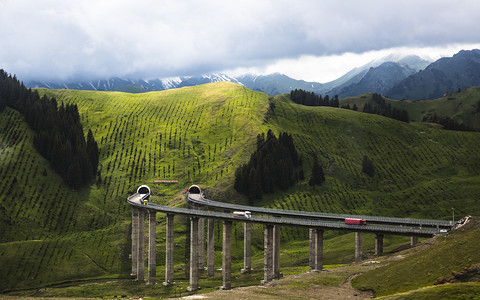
pixel 335 225
pixel 198 199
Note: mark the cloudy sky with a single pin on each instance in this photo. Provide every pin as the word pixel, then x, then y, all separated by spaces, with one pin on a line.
pixel 312 40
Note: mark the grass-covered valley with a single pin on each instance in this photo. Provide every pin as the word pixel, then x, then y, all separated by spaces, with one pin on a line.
pixel 52 234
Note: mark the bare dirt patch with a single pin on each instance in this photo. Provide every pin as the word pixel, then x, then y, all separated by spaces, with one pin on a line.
pixel 331 284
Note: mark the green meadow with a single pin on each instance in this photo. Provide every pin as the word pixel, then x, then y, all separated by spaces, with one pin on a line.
pixel 200 135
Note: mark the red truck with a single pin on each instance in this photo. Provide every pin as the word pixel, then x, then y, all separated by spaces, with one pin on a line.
pixel 350 221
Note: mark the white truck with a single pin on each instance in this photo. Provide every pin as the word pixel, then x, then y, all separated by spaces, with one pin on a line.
pixel 245 214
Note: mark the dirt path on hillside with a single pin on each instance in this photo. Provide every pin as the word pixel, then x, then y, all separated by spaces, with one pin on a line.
pixel 302 286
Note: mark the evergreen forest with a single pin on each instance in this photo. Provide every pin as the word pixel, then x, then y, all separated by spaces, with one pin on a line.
pixel 59 135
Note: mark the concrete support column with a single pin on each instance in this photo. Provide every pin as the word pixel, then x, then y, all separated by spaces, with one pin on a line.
pixel 358 247
pixel 227 255
pixel 152 246
pixel 141 246
pixel 211 249
pixel 201 243
pixel 413 240
pixel 378 244
pixel 318 250
pixel 169 265
pixel 247 247
pixel 268 253
pixel 311 257
pixel 193 254
pixel 276 251
pixel 134 240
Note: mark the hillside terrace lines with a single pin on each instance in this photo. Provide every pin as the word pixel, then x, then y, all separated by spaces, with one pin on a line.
pixel 161 158
pixel 167 115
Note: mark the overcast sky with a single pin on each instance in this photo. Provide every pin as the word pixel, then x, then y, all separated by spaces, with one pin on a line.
pixel 312 40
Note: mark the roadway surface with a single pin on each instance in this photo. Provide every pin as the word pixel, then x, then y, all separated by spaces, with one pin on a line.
pixel 137 201
pixel 200 200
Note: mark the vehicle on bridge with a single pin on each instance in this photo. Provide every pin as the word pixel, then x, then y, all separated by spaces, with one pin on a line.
pixel 351 221
pixel 245 214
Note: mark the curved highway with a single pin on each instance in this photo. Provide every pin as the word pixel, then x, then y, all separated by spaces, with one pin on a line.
pixel 198 199
pixel 138 201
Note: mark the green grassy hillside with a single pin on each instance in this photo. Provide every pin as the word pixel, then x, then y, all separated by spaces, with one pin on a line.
pixel 51 233
pixel 201 135
pixel 419 170
pixel 463 106
pixel 453 252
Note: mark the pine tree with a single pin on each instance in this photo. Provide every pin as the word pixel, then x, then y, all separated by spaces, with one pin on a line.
pixel 92 151
pixel 255 190
pixel 318 176
pixel 368 167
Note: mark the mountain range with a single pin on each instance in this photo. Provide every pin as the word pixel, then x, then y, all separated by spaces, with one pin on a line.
pixel 445 75
pixel 397 77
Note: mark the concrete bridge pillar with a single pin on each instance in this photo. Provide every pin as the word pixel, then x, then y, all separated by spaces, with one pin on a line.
pixel 318 250
pixel 152 246
pixel 276 251
pixel 378 244
pixel 227 255
pixel 134 240
pixel 247 247
pixel 211 249
pixel 169 265
pixel 358 247
pixel 193 254
pixel 311 257
pixel 201 243
pixel 141 246
pixel 413 240
pixel 268 253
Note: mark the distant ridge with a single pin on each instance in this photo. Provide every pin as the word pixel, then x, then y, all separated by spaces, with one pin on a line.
pixel 407 77
pixel 445 75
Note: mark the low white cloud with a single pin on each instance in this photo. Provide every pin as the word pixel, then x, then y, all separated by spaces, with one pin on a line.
pixel 151 38
pixel 327 68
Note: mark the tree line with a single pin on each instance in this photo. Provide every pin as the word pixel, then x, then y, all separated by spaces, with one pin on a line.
pixel 274 164
pixel 311 99
pixel 59 135
pixel 380 107
pixel 448 123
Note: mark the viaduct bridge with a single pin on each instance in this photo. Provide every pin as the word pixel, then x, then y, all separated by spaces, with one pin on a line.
pixel 272 219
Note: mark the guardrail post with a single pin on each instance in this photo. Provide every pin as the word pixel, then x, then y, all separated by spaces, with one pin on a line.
pixel 311 257
pixel 413 240
pixel 169 265
pixel 319 250
pixel 193 254
pixel 152 247
pixel 358 246
pixel 211 248
pixel 141 246
pixel 227 255
pixel 378 244
pixel 134 240
pixel 201 243
pixel 268 257
pixel 247 247
pixel 276 251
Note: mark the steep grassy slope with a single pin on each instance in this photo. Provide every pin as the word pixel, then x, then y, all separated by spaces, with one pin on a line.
pixel 419 170
pixel 51 233
pixel 453 252
pixel 201 135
